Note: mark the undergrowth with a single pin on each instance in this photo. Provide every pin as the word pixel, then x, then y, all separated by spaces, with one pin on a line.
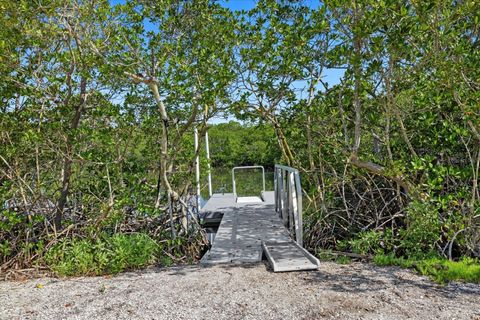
pixel 406 250
pixel 108 254
pixel 440 270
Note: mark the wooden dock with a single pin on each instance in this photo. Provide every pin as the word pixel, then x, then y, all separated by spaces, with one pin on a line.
pixel 249 228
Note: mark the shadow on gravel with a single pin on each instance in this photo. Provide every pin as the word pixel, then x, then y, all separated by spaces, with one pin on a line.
pixel 357 278
pixel 378 278
pixel 183 270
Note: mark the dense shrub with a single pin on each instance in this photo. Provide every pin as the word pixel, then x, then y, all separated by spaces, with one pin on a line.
pixel 106 254
pixel 422 231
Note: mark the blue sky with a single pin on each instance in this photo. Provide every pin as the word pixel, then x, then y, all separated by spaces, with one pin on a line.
pixel 236 4
pixel 249 4
pixel 239 4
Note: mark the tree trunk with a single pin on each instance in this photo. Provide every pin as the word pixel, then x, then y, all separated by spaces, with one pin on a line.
pixel 163 168
pixel 68 156
pixel 282 141
pixel 357 45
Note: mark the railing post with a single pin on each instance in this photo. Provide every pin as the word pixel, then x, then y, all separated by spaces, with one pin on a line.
pixel 207 149
pixel 299 208
pixel 275 188
pixel 280 194
pixel 197 168
pixel 263 179
pixel 279 190
pixel 234 188
pixel 297 219
pixel 285 198
pixel 288 199
pixel 291 205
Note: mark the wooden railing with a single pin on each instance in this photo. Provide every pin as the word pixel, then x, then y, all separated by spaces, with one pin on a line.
pixel 288 199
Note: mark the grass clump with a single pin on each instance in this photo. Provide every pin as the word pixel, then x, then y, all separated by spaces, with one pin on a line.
pixel 328 255
pixel 440 270
pixel 108 254
pixel 443 270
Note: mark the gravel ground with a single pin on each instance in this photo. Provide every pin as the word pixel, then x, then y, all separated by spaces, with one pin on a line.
pixel 354 291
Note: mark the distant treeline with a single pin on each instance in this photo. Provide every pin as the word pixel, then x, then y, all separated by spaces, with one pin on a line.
pixel 234 144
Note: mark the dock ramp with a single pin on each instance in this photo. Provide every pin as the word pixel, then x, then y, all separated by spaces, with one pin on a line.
pixel 289 256
pixel 254 227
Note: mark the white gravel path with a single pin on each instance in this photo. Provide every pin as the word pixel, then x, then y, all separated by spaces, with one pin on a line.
pixel 354 291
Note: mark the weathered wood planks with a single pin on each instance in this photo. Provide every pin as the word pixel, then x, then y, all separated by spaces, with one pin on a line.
pixel 245 225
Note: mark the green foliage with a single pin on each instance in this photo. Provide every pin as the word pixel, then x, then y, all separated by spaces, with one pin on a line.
pixel 418 237
pixel 10 220
pixel 438 269
pixel 73 258
pixel 165 261
pixel 368 242
pixel 5 249
pixel 14 235
pixel 325 255
pixel 391 260
pixel 106 254
pixel 423 229
pixel 442 270
pixel 130 251
pixel 233 144
pixel 343 260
